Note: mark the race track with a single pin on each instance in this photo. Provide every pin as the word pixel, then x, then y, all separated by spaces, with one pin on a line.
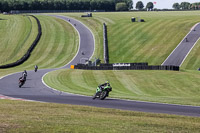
pixel 34 89
pixel 179 54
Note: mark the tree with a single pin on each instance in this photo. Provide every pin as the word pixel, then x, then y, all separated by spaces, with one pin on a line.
pixel 121 6
pixel 4 6
pixel 176 6
pixel 129 3
pixel 149 6
pixel 139 5
pixel 185 5
pixel 195 6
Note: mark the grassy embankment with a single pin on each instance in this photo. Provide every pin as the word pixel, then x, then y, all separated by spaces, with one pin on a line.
pixel 57 46
pixel 18 30
pixel 151 41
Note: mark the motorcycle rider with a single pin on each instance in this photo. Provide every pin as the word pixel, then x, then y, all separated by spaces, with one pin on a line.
pixel 36 67
pixel 101 87
pixel 104 85
pixel 22 79
pixel 24 75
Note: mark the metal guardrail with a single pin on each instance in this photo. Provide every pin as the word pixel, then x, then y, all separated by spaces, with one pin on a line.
pixel 105 44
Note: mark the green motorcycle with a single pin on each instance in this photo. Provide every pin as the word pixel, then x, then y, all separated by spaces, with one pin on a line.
pixel 102 91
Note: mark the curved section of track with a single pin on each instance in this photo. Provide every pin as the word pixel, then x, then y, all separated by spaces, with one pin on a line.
pixel 34 89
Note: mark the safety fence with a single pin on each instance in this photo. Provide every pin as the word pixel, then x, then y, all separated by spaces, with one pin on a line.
pixel 105 44
pixel 51 11
pixel 28 53
pixel 125 66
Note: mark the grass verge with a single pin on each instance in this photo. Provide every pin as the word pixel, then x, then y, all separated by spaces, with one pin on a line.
pixel 19 116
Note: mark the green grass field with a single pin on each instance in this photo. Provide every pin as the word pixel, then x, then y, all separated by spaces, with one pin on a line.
pixel 23 117
pixel 57 46
pixel 151 42
pixel 17 34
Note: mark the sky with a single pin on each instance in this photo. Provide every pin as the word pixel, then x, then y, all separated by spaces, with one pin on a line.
pixel 163 4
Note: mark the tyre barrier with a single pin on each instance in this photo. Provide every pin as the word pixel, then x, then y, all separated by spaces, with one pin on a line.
pixel 134 66
pixel 88 15
pixel 126 64
pixel 28 53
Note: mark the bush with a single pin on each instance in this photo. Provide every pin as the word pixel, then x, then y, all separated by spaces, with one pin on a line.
pixel 121 7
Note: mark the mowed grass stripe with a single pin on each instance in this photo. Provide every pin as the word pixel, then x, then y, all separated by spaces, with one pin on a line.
pixel 128 83
pixel 11 33
pixel 54 43
pixel 140 43
pixel 64 50
pixel 136 45
pixel 152 43
pixel 144 39
pixel 49 44
pixel 5 28
pixel 21 46
pixel 28 29
pixel 57 46
pixel 44 44
pixel 17 39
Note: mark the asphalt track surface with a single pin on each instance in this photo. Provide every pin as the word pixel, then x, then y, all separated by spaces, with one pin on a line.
pixel 35 90
pixel 179 54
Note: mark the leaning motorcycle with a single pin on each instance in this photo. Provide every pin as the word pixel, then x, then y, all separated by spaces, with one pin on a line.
pixel 102 92
pixel 21 82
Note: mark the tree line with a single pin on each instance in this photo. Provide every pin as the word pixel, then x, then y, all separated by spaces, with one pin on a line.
pixel 106 5
pixel 186 6
pixel 140 6
pixel 176 6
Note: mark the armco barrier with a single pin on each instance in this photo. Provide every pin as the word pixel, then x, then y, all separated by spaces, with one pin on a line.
pixel 105 44
pixel 28 53
pixel 134 66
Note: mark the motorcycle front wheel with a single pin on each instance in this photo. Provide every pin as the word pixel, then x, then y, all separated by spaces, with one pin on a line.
pixel 103 95
pixel 20 85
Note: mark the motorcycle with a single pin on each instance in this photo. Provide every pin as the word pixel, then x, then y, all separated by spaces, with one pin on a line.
pixel 102 91
pixel 21 82
pixel 36 68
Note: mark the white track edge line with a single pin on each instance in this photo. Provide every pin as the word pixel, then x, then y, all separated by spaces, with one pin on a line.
pixel 189 51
